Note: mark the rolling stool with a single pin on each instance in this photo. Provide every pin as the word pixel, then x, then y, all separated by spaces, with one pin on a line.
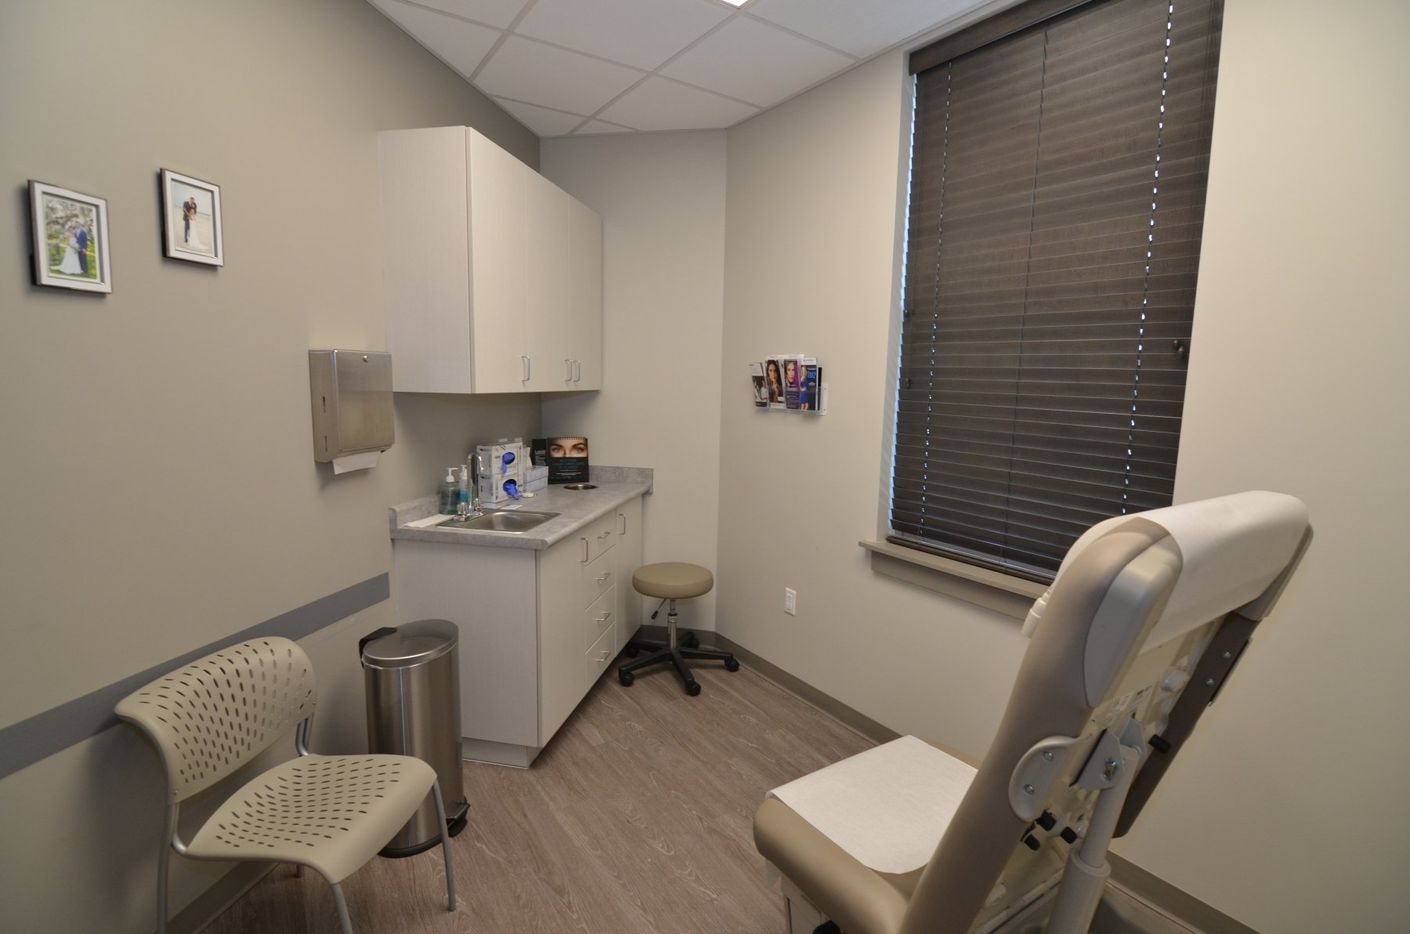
pixel 672 581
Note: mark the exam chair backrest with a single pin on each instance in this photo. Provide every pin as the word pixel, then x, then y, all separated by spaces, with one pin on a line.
pixel 1137 595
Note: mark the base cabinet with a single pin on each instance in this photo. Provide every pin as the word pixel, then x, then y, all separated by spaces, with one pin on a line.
pixel 537 628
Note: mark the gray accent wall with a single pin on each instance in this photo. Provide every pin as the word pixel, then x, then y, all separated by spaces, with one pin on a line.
pixel 157 487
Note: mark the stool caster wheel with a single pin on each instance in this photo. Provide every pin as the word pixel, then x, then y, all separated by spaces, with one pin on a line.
pixel 690 642
pixel 692 688
pixel 731 664
pixel 626 677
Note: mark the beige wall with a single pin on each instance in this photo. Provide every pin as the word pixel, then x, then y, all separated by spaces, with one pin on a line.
pixel 1288 810
pixel 1285 812
pixel 662 197
pixel 158 487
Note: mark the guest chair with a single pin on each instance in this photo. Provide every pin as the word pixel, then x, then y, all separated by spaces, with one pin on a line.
pixel 330 813
pixel 1144 621
pixel 672 581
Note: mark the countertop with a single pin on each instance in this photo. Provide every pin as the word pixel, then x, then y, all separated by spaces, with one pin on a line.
pixel 575 508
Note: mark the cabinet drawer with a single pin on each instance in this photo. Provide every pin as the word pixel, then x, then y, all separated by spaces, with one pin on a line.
pixel 601 535
pixel 599 656
pixel 598 617
pixel 597 576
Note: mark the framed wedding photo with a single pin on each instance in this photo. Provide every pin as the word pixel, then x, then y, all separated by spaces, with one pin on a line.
pixel 70 239
pixel 191 219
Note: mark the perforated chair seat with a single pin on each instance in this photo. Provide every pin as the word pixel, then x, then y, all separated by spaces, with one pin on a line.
pixel 327 812
pixel 672 580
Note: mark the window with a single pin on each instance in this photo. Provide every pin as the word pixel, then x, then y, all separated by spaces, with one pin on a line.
pixel 1057 197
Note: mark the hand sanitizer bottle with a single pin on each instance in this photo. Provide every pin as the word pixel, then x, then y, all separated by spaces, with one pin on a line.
pixel 462 505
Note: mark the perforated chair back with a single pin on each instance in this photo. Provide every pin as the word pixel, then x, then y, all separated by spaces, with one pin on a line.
pixel 219 712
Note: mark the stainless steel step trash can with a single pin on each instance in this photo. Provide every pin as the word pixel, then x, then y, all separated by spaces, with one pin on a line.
pixel 412 678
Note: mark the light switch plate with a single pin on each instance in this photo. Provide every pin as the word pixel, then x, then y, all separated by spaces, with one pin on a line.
pixel 790 601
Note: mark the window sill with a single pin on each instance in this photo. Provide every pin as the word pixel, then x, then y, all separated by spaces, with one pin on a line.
pixel 1011 596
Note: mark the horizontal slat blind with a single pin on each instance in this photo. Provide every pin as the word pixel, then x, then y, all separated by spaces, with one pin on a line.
pixel 1057 199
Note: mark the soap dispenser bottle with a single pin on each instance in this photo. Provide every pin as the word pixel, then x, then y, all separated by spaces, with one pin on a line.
pixel 449 495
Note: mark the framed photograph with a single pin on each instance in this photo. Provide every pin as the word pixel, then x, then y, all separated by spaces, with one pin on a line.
pixel 191 219
pixel 70 231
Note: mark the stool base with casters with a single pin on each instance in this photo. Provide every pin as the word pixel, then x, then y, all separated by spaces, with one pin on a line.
pixel 670 581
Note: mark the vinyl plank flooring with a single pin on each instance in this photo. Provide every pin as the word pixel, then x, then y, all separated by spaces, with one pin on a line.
pixel 637 819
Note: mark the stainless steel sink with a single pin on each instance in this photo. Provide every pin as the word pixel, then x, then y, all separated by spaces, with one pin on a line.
pixel 513 521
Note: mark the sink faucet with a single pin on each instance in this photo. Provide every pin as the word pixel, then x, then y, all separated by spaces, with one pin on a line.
pixel 475 468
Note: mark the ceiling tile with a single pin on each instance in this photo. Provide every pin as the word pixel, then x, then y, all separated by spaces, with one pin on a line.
pixel 499 13
pixel 756 62
pixel 642 33
pixel 541 120
pixel 860 28
pixel 600 128
pixel 459 44
pixel 551 77
pixel 658 104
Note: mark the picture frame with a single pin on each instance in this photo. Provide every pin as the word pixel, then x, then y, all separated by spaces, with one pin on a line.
pixel 70 239
pixel 191 219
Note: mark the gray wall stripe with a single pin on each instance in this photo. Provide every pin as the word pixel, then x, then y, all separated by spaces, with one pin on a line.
pixel 25 743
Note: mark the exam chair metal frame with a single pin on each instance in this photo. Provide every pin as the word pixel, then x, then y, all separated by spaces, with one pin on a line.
pixel 209 719
pixel 1075 759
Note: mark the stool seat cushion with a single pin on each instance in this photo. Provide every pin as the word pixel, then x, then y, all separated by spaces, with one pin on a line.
pixel 672 580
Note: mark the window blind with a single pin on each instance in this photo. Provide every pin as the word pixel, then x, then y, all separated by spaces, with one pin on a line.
pixel 1057 199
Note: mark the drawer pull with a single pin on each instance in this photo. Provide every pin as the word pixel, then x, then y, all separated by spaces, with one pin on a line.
pixel 605 617
pixel 602 535
pixel 623 517
pixel 603 657
pixel 567 370
pixel 585 549
pixel 604 578
pixel 527 370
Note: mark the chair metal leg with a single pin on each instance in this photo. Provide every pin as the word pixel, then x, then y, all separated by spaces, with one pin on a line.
pixel 445 845
pixel 163 868
pixel 342 904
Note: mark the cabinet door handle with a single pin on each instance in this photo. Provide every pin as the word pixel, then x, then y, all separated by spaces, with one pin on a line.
pixel 604 578
pixel 528 367
pixel 623 517
pixel 567 370
pixel 577 371
pixel 585 549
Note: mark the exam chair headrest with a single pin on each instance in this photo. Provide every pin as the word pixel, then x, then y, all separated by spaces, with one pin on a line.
pixel 1234 549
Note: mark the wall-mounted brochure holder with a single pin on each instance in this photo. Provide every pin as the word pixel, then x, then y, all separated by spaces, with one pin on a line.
pixel 789 383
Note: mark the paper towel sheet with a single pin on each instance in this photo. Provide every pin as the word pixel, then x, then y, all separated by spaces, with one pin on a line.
pixel 355 461
pixel 888 806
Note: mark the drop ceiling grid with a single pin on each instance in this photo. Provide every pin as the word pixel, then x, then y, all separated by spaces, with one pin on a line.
pixel 571 66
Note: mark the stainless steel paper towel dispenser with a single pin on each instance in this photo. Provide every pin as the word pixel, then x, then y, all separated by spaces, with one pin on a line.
pixel 352 402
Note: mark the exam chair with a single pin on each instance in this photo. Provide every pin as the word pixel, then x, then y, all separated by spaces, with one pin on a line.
pixel 1143 623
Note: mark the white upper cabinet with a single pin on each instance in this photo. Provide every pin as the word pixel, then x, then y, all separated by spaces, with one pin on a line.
pixel 493 274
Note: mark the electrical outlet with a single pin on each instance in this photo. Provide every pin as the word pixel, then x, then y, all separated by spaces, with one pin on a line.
pixel 790 601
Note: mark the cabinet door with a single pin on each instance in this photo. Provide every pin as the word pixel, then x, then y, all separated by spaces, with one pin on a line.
pixel 548 259
pixel 628 557
pixel 498 273
pixel 425 243
pixel 585 278
pixel 561 608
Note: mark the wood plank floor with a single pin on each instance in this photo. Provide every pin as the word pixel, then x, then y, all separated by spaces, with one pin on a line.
pixel 636 818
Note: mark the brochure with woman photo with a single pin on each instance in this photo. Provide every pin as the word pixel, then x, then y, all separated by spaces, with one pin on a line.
pixel 791 381
pixel 761 389
pixel 773 382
